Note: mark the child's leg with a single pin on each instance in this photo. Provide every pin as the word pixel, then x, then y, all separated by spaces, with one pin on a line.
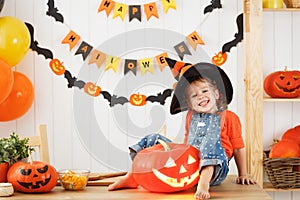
pixel 202 191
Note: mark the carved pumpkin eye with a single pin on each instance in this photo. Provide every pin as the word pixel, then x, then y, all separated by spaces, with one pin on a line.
pixel 281 76
pixel 170 163
pixel 191 160
pixel 296 78
pixel 43 170
pixel 25 172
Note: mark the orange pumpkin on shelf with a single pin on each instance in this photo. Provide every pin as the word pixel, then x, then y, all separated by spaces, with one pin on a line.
pixel 285 149
pixel 292 134
pixel 283 84
pixel 138 99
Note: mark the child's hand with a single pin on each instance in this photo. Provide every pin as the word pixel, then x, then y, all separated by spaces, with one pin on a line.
pixel 244 180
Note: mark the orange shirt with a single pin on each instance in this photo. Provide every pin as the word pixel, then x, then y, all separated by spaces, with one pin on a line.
pixel 231 131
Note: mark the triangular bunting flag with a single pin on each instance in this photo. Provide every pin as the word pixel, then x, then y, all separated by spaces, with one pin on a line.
pixel 72 38
pixel 97 57
pixel 168 4
pixel 194 39
pixel 135 12
pixel 112 63
pixel 146 65
pixel 84 49
pixel 161 61
pixel 106 5
pixel 120 10
pixel 182 49
pixel 130 65
pixel 150 10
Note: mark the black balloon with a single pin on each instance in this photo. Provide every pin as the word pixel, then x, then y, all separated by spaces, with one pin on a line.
pixel 1 4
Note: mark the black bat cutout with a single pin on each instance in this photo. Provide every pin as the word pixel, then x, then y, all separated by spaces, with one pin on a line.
pixel 214 4
pixel 161 97
pixel 52 12
pixel 114 100
pixel 34 44
pixel 72 80
pixel 238 37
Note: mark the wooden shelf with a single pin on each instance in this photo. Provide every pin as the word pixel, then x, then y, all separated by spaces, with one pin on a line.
pixel 267 186
pixel 270 99
pixel 281 9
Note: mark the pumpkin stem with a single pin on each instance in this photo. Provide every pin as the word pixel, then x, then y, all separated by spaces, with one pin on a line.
pixel 30 157
pixel 164 144
pixel 285 68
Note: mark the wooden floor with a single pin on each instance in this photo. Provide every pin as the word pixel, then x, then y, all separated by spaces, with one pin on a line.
pixel 226 191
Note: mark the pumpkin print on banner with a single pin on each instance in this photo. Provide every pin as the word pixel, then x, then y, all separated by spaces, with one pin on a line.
pixel 32 177
pixel 167 167
pixel 283 84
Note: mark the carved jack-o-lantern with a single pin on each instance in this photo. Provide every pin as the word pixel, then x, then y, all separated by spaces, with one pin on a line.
pixel 283 84
pixel 137 99
pixel 171 169
pixel 92 89
pixel 35 177
pixel 219 59
pixel 57 66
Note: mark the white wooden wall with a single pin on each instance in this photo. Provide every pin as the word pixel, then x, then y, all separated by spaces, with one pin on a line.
pixel 99 138
pixel 281 48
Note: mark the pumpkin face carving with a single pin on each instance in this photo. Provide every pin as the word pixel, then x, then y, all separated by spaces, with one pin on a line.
pixel 220 58
pixel 57 67
pixel 37 177
pixel 92 89
pixel 158 170
pixel 137 99
pixel 283 84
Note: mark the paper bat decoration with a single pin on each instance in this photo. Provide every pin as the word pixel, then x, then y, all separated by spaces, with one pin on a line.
pixel 72 81
pixel 52 12
pixel 214 4
pixel 114 100
pixel 238 37
pixel 34 44
pixel 161 97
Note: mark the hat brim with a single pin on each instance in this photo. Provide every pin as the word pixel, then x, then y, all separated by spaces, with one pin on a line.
pixel 200 70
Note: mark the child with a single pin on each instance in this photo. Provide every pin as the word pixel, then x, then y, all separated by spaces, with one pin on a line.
pixel 205 91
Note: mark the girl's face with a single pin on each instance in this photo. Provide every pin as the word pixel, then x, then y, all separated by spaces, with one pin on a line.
pixel 202 97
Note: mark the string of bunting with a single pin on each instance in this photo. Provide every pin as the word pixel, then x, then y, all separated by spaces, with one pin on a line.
pixel 99 57
pixel 135 11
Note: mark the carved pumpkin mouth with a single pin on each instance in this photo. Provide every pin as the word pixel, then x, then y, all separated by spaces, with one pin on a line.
pixel 286 90
pixel 176 182
pixel 37 184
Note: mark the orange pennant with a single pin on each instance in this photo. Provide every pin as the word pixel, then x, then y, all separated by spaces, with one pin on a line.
pixel 106 5
pixel 72 38
pixel 194 39
pixel 150 10
pixel 97 57
pixel 161 61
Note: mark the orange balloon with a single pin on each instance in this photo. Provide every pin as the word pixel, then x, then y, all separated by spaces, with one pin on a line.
pixel 6 80
pixel 19 100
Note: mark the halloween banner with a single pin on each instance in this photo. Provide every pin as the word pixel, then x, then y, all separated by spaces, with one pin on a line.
pixel 135 11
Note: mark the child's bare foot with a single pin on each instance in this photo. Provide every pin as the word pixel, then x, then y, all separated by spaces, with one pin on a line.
pixel 202 192
pixel 125 182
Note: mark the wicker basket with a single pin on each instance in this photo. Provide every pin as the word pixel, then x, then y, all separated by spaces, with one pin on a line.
pixel 292 3
pixel 283 173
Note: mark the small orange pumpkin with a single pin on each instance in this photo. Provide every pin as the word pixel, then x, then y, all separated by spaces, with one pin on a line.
pixel 57 66
pixel 283 84
pixel 92 89
pixel 285 149
pixel 137 99
pixel 32 177
pixel 292 134
pixel 219 59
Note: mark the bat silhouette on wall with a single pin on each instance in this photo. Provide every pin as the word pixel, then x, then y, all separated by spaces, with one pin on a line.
pixel 34 44
pixel 160 97
pixel 53 12
pixel 72 80
pixel 114 99
pixel 214 4
pixel 238 37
